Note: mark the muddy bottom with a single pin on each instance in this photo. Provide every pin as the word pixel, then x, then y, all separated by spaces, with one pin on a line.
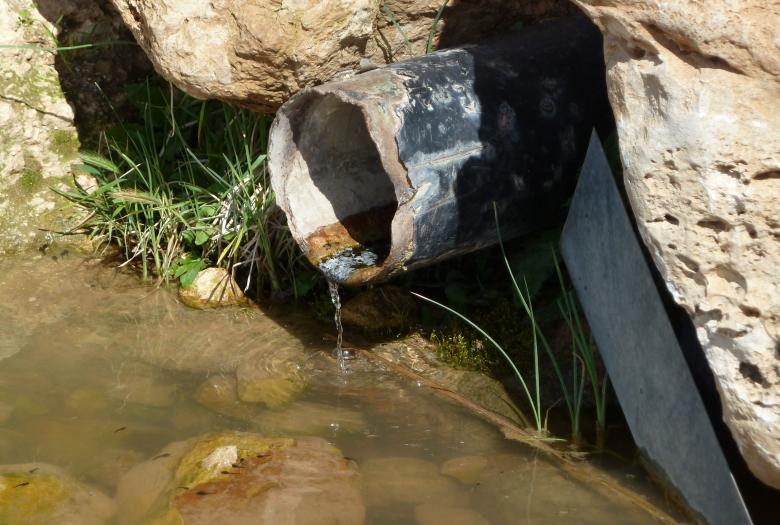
pixel 107 385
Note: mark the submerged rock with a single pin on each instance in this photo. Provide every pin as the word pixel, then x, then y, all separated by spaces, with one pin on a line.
pixel 305 418
pixel 465 469
pixel 380 308
pixel 212 288
pixel 272 377
pixel 398 481
pixel 433 514
pixel 219 393
pixel 236 477
pixel 40 493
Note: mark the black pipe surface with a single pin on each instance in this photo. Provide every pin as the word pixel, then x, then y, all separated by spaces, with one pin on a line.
pixel 400 166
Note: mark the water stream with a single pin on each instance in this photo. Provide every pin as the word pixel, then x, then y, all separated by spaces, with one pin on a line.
pixel 336 300
pixel 102 377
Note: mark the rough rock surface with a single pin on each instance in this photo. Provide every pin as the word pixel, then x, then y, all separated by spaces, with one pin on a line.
pixel 380 308
pixel 38 141
pixel 695 87
pixel 235 477
pixel 260 52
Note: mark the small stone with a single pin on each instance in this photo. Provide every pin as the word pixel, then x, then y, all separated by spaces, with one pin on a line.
pixel 272 377
pixel 399 481
pixel 212 288
pixel 380 308
pixel 465 469
pixel 434 514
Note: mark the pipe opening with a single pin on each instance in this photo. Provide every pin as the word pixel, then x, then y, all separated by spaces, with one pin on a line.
pixel 340 183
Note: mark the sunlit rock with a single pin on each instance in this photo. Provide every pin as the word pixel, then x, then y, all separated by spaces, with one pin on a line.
pixel 401 480
pixel 272 377
pixel 695 88
pixel 41 493
pixel 271 481
pixel 212 288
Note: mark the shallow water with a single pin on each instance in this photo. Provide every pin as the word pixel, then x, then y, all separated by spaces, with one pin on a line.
pixel 99 372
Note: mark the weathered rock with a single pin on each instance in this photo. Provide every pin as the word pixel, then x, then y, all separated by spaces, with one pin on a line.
pixel 695 88
pixel 380 308
pixel 260 52
pixel 272 377
pixel 212 288
pixel 38 141
pixel 220 394
pixel 465 469
pixel 237 477
pixel 394 481
pixel 41 493
pixel 433 514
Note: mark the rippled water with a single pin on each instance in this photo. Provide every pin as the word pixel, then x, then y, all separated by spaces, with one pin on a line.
pixel 99 373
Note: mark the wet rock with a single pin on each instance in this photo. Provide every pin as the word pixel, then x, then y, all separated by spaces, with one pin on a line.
pixel 272 377
pixel 41 493
pixel 305 418
pixel 86 400
pixel 380 308
pixel 212 288
pixel 695 88
pixel 434 514
pixel 219 393
pixel 5 411
pixel 512 486
pixel 108 466
pixel 269 481
pixel 465 469
pixel 398 481
pixel 142 384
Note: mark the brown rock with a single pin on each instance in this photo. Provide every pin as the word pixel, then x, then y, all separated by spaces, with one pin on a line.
pixel 394 481
pixel 260 52
pixel 695 88
pixel 272 377
pixel 380 308
pixel 235 477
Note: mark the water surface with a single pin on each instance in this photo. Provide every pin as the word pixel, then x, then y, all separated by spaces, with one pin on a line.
pixel 99 372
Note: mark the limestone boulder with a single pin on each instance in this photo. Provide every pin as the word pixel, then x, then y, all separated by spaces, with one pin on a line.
pixel 212 288
pixel 38 140
pixel 695 88
pixel 260 52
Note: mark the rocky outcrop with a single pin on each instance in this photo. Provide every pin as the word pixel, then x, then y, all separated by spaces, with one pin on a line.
pixel 38 140
pixel 260 52
pixel 695 88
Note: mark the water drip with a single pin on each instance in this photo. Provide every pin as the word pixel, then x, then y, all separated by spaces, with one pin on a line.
pixel 341 354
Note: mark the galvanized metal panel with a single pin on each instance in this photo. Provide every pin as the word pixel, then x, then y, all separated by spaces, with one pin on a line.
pixel 635 338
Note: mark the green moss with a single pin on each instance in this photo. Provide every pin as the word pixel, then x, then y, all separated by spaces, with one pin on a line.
pixel 32 175
pixel 36 503
pixel 64 143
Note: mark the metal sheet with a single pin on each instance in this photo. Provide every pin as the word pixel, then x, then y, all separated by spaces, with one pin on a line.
pixel 635 338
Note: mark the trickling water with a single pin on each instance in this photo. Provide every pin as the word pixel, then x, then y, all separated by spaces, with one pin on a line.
pixel 336 300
